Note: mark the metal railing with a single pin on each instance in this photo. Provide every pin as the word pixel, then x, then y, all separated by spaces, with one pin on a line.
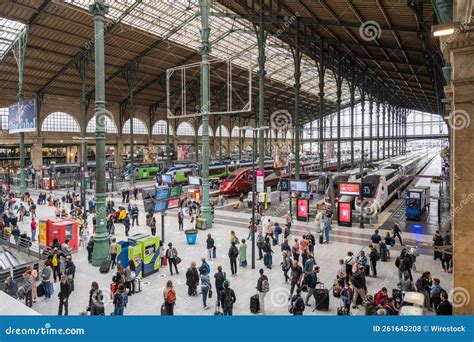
pixel 21 244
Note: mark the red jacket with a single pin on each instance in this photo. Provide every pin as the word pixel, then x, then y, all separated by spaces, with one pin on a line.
pixel 380 296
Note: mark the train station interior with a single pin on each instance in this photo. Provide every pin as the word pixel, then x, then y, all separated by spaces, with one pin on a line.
pixel 284 130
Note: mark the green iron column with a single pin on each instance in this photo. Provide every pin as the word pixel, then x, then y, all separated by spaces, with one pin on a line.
pixel 378 128
pixel 389 113
pixel 296 127
pixel 322 71
pixel 129 76
pixel 19 54
pixel 371 113
pixel 384 107
pixel 362 147
pixel 352 86
pixel 261 38
pixel 101 239
pixel 205 50
pixel 338 79
pixel 81 66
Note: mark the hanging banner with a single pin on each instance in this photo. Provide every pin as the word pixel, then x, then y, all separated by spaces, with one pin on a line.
pixel 150 154
pixel 22 117
pixel 260 173
pixel 183 152
pixel 330 150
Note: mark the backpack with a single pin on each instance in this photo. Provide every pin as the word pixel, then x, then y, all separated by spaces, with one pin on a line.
pixel 265 286
pixel 202 269
pixel 233 252
pixel 227 298
pixel 120 300
pixel 170 253
pixel 296 305
pixel 171 297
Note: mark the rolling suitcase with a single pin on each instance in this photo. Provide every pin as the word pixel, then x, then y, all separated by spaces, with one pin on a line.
pixel 138 285
pixel 254 304
pixel 104 268
pixel 367 270
pixel 40 290
pixel 322 298
pixel 321 239
pixel 383 254
pixel 163 310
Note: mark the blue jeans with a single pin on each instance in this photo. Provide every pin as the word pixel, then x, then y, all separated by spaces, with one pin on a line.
pixel 47 289
pixel 227 312
pixel 285 273
pixel 218 296
pixel 118 311
pixel 400 275
pixel 33 235
pixel 326 232
pixel 204 291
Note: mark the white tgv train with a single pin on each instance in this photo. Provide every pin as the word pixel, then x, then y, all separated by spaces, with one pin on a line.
pixel 386 182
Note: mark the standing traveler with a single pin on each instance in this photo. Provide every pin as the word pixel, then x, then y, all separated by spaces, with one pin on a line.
pixel 263 286
pixel 205 288
pixel 96 300
pixel 260 241
pixel 444 308
pixel 243 254
pixel 46 275
pixel 169 296
pixel 180 220
pixel 359 283
pixel 297 304
pixel 220 278
pixel 33 227
pixel 397 232
pixel 346 298
pixel 374 256
pixel 286 265
pixel 64 293
pixel 192 279
pixel 228 299
pixel 113 249
pixel 120 300
pixel 233 254
pixel 172 255
pixel 152 226
pixel 210 245
pixel 126 223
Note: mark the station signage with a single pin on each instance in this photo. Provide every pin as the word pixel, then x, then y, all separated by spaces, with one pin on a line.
pixel 302 209
pixel 366 190
pixel 344 216
pixel 299 186
pixel 194 180
pixel 167 179
pixel 352 189
pixel 260 173
pixel 284 185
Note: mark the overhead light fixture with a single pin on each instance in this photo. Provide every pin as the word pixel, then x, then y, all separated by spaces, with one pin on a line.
pixel 448 29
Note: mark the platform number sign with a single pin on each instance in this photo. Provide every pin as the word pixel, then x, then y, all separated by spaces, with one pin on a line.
pixel 366 190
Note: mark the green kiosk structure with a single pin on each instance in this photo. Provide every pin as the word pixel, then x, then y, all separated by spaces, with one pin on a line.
pixel 143 250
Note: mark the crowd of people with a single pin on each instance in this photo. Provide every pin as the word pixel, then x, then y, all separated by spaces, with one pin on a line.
pixel 299 269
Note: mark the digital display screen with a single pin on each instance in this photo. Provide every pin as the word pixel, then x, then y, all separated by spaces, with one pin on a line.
pixel 349 189
pixel 194 180
pixel 176 192
pixel 299 186
pixel 284 184
pixel 162 193
pixel 366 190
pixel 167 179
pixel 161 206
pixel 173 203
pixel 345 212
pixel 303 208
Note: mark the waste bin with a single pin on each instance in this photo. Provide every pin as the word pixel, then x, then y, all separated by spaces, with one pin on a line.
pixel 201 223
pixel 191 236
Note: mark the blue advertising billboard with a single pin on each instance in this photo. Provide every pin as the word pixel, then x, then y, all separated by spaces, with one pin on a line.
pixel 22 117
pixel 162 193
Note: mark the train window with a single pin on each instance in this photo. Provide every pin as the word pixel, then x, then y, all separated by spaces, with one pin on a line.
pixel 389 176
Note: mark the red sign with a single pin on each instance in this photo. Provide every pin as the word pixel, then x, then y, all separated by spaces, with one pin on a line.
pixel 302 205
pixel 173 203
pixel 260 172
pixel 349 189
pixel 344 212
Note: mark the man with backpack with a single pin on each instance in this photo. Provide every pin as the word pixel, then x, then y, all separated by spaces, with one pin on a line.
pixel 172 255
pixel 263 286
pixel 374 256
pixel 312 281
pixel 296 276
pixel 228 299
pixel 403 263
pixel 204 268
pixel 260 244
pixel 233 254
pixel 297 306
pixel 358 281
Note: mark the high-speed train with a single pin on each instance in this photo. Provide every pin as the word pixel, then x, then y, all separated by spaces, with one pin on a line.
pixel 385 183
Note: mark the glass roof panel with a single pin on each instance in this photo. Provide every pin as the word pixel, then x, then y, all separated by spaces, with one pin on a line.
pixel 230 38
pixel 9 31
